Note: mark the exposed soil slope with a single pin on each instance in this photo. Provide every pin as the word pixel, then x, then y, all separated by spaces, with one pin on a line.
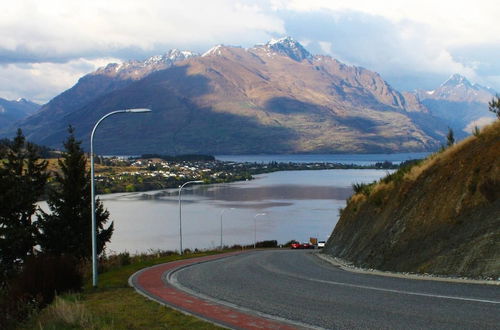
pixel 442 216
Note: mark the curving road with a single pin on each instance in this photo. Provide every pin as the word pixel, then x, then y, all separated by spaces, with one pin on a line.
pixel 298 286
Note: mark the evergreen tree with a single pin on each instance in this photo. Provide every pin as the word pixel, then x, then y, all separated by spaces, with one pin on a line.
pixel 450 138
pixel 494 106
pixel 22 181
pixel 66 230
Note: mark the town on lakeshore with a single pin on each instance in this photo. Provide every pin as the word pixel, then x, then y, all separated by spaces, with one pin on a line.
pixel 154 172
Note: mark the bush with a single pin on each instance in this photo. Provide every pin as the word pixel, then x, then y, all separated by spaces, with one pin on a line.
pixel 267 244
pixel 363 188
pixel 40 279
pixel 44 276
pixel 404 168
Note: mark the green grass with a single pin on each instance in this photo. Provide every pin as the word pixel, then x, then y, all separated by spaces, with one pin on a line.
pixel 114 305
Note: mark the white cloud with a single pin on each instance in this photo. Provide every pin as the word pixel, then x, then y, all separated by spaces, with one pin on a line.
pixel 456 21
pixel 398 38
pixel 479 123
pixel 41 81
pixel 54 28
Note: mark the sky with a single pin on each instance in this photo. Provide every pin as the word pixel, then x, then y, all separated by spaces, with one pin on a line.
pixel 46 46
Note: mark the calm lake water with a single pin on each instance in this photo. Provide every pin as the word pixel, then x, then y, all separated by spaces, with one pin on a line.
pixel 298 205
pixel 358 159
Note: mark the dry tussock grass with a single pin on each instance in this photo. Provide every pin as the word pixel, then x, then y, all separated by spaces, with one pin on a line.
pixel 450 152
pixel 382 187
pixel 357 198
pixel 71 313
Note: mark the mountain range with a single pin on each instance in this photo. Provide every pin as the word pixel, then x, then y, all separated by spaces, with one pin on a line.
pixel 460 103
pixel 12 111
pixel 271 98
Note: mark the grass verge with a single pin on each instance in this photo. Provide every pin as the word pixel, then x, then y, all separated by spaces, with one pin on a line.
pixel 114 305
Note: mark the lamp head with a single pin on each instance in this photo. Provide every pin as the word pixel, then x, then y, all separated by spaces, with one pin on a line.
pixel 138 110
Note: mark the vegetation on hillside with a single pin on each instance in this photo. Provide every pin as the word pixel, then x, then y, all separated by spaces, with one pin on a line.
pixel 440 215
pixel 41 258
pixel 115 305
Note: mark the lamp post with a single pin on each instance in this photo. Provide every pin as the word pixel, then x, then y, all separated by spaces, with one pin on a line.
pixel 221 213
pixel 92 187
pixel 180 211
pixel 255 228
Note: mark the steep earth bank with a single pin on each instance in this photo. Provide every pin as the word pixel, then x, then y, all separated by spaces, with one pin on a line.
pixel 441 216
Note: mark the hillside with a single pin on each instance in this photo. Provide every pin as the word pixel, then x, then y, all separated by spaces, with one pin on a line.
pixel 12 111
pixel 441 216
pixel 272 98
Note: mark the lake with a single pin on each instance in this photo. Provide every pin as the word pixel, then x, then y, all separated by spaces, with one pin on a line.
pixel 357 159
pixel 297 205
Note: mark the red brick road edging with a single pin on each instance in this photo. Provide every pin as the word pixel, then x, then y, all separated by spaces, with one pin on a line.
pixel 151 283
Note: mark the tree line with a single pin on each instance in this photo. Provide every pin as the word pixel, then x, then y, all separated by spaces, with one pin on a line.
pixel 26 231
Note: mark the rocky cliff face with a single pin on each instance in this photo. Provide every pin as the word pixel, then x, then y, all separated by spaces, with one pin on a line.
pixel 272 98
pixel 442 216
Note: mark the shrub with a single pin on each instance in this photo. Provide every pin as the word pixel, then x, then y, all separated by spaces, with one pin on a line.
pixel 363 188
pixel 267 244
pixel 476 131
pixel 404 168
pixel 44 276
pixel 39 280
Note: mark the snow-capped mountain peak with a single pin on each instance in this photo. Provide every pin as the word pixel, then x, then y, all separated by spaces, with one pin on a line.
pixel 458 88
pixel 137 69
pixel 457 80
pixel 215 50
pixel 289 47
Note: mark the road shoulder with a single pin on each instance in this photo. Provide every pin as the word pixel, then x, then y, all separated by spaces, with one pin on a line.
pixel 344 265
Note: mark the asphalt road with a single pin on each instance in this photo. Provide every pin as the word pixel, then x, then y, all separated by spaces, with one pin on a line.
pixel 298 286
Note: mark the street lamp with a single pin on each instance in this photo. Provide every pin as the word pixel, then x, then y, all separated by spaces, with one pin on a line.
pixel 255 228
pixel 221 213
pixel 180 211
pixel 92 188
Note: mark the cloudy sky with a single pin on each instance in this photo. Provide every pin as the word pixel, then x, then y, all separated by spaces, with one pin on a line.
pixel 45 46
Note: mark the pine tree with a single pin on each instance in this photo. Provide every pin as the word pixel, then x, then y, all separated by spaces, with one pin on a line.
pixel 450 138
pixel 494 106
pixel 66 230
pixel 22 181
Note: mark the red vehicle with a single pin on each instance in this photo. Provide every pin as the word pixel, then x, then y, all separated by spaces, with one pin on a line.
pixel 297 245
pixel 307 246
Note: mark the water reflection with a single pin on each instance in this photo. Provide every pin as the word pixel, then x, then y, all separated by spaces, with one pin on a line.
pixel 298 205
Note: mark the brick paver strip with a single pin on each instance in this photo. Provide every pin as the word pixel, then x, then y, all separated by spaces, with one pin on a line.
pixel 150 282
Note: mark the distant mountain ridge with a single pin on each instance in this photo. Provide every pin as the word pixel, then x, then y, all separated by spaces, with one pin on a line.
pixel 271 98
pixel 460 103
pixel 14 110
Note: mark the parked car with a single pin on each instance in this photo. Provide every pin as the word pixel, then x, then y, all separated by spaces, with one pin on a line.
pixel 307 246
pixel 296 245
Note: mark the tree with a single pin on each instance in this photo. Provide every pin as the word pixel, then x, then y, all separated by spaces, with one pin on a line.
pixel 66 230
pixel 22 181
pixel 450 138
pixel 494 106
pixel 476 131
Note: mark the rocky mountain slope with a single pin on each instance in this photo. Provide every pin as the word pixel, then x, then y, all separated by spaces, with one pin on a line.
pixel 12 111
pixel 272 98
pixel 441 216
pixel 460 103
